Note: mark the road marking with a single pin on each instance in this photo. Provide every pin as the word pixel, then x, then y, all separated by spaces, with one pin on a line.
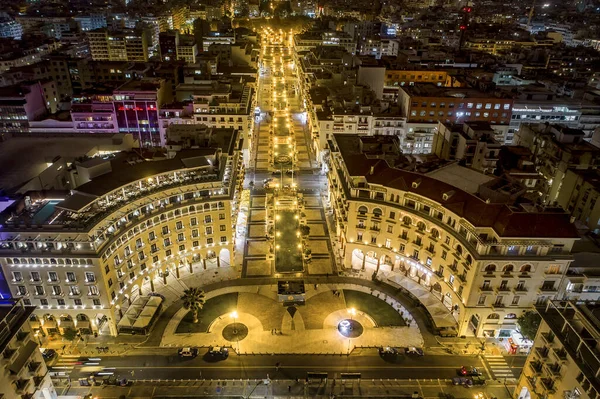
pixel 286 367
pixel 499 366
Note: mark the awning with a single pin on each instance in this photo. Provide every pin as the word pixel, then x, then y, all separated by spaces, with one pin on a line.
pixel 154 301
pixel 76 202
pixel 442 317
pixel 83 324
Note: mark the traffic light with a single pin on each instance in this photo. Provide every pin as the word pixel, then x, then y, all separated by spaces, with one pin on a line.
pixel 463 27
pixel 467 9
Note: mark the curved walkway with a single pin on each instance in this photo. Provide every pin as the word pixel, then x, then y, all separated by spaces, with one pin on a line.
pixel 412 306
pixel 324 340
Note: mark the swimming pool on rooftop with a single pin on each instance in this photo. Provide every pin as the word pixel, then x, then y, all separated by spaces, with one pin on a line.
pixel 45 212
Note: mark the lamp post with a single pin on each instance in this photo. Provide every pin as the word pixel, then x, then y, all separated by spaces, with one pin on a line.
pixel 352 312
pixel 234 314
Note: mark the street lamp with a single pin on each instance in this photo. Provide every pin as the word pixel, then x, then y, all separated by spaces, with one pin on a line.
pixel 234 314
pixel 352 312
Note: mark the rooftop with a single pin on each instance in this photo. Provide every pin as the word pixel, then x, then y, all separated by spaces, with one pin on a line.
pixel 432 90
pixel 508 220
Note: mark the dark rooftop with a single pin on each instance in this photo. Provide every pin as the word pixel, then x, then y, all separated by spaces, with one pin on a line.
pixel 508 220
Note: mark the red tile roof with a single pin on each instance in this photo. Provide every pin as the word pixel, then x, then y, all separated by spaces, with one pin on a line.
pixel 507 220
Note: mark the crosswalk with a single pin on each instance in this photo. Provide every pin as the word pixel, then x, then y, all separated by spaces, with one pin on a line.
pixel 499 367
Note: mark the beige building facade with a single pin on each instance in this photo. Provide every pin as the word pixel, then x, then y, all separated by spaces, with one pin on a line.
pixel 485 262
pixel 83 258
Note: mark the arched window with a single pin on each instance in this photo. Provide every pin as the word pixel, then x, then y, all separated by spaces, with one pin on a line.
pixel 377 212
pixel 508 268
pixel 421 226
pixel 510 316
pixel 406 220
pixel 459 249
pixel 469 259
pixel 362 210
pixel 490 268
pixel 494 316
pixel 435 233
pixel 525 268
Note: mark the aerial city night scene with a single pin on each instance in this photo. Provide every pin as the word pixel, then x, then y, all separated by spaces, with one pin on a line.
pixel 299 199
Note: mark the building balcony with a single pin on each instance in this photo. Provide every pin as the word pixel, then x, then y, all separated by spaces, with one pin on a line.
pixel 360 226
pixel 462 278
pixel 554 370
pixel 519 290
pixel 453 267
pixel 561 354
pixel 542 352
pixel 536 368
pixel 548 337
pixel 498 306
pixel 34 367
pixel 548 384
pixel 485 289
pixel 22 385
pixel 374 228
pixel 547 289
pixel 502 289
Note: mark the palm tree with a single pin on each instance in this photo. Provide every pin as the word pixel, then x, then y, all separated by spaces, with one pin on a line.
pixel 193 299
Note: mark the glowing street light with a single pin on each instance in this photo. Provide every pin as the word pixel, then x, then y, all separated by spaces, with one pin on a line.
pixel 352 312
pixel 234 314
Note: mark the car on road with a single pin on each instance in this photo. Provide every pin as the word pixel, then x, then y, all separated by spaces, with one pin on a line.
pixel 218 351
pixel 267 180
pixel 387 351
pixel 469 371
pixel 276 172
pixel 188 352
pixel 413 351
pixel 289 172
pixel 48 354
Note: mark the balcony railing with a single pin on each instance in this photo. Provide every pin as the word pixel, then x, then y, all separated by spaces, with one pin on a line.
pixel 536 367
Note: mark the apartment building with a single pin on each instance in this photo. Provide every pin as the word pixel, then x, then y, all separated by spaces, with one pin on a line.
pixel 579 194
pixel 395 77
pixel 473 143
pixel 187 49
pixel 564 362
pixel 10 28
pixel 136 104
pixel 24 372
pixel 476 256
pixel 20 104
pixel 312 39
pixel 221 103
pixel 430 103
pixel 85 256
pixel 555 150
pixel 124 45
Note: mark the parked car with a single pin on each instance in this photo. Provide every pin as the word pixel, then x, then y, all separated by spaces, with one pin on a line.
pixel 413 351
pixel 469 371
pixel 289 172
pixel 188 352
pixel 218 351
pixel 387 351
pixel 462 381
pixel 267 180
pixel 48 354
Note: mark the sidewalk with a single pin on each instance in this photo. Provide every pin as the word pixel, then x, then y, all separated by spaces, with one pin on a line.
pixel 286 388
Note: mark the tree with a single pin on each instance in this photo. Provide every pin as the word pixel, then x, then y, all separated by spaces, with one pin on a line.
pixel 70 334
pixel 193 299
pixel 304 230
pixel 529 323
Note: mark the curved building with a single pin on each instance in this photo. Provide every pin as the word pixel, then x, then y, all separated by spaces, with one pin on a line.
pixel 473 255
pixel 83 258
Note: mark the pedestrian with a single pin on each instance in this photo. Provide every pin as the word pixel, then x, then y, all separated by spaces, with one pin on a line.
pixel 271 331
pixel 277 366
pixel 289 388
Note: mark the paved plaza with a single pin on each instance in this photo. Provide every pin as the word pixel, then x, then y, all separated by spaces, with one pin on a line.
pixel 311 328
